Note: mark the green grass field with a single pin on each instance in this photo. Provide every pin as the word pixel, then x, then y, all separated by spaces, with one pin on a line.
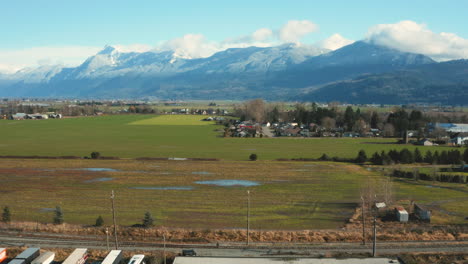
pixel 290 195
pixel 130 136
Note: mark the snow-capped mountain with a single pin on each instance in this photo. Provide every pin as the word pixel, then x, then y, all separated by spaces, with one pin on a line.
pixel 286 71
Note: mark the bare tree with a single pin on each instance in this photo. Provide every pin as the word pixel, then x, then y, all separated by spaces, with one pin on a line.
pixel 388 130
pixel 328 123
pixel 255 110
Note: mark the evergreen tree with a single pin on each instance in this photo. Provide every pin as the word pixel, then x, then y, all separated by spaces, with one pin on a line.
pixel 465 155
pixel 406 156
pixel 443 159
pixel 418 156
pixel 428 157
pixel 58 216
pixel 99 221
pixel 6 215
pixel 394 155
pixel 148 220
pixel 361 157
pixel 386 160
pixel 349 118
pixel 454 157
pixel 436 159
pixel 374 120
pixel 376 159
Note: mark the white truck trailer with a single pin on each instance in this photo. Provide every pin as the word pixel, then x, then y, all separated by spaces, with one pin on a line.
pixel 44 258
pixel 114 257
pixel 78 256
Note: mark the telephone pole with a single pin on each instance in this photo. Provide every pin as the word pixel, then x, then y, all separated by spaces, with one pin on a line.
pixel 374 245
pixel 107 238
pixel 363 223
pixel 113 218
pixel 248 217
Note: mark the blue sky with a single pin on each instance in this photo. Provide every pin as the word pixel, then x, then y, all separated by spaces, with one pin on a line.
pixel 92 24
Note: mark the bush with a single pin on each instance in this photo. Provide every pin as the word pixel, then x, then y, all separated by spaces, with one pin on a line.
pixel 325 157
pixel 99 221
pixel 95 155
pixel 253 157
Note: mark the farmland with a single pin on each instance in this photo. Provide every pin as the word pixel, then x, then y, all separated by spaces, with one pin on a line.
pixel 181 193
pixel 130 136
pixel 288 195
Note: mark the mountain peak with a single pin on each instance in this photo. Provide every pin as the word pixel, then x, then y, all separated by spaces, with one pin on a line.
pixel 108 49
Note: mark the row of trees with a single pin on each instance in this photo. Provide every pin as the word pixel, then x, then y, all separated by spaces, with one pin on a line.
pixel 395 123
pixel 406 156
pixel 58 219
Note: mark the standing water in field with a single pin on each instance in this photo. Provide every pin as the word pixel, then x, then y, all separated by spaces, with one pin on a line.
pixel 182 188
pixel 228 183
pixel 98 169
pixel 99 180
pixel 201 173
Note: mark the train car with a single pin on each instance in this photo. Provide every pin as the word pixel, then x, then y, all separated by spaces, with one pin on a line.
pixel 3 254
pixel 79 256
pixel 44 258
pixel 28 255
pixel 114 257
pixel 137 259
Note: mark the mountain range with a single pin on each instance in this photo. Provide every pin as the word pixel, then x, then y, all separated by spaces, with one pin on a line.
pixel 361 72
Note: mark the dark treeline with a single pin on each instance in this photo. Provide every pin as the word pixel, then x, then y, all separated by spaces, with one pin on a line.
pixel 406 156
pixel 393 123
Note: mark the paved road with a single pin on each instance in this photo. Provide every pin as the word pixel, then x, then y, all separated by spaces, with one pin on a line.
pixel 234 249
pixel 267 131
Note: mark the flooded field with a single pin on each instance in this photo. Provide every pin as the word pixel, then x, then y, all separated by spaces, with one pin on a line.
pixel 201 194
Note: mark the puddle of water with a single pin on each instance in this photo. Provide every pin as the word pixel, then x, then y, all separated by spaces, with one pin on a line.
pixel 99 180
pixel 177 158
pixel 432 186
pixel 300 170
pixel 183 188
pixel 228 183
pixel 46 210
pixel 165 173
pixel 202 172
pixel 98 169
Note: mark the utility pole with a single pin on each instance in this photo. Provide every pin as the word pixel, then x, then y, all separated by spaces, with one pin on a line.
pixel 374 246
pixel 107 238
pixel 164 251
pixel 113 218
pixel 248 217
pixel 363 222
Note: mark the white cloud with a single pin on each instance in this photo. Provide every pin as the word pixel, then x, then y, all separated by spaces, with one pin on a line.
pixel 196 45
pixel 334 42
pixel 8 69
pixel 294 30
pixel 33 57
pixel 190 46
pixel 413 37
pixel 262 34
